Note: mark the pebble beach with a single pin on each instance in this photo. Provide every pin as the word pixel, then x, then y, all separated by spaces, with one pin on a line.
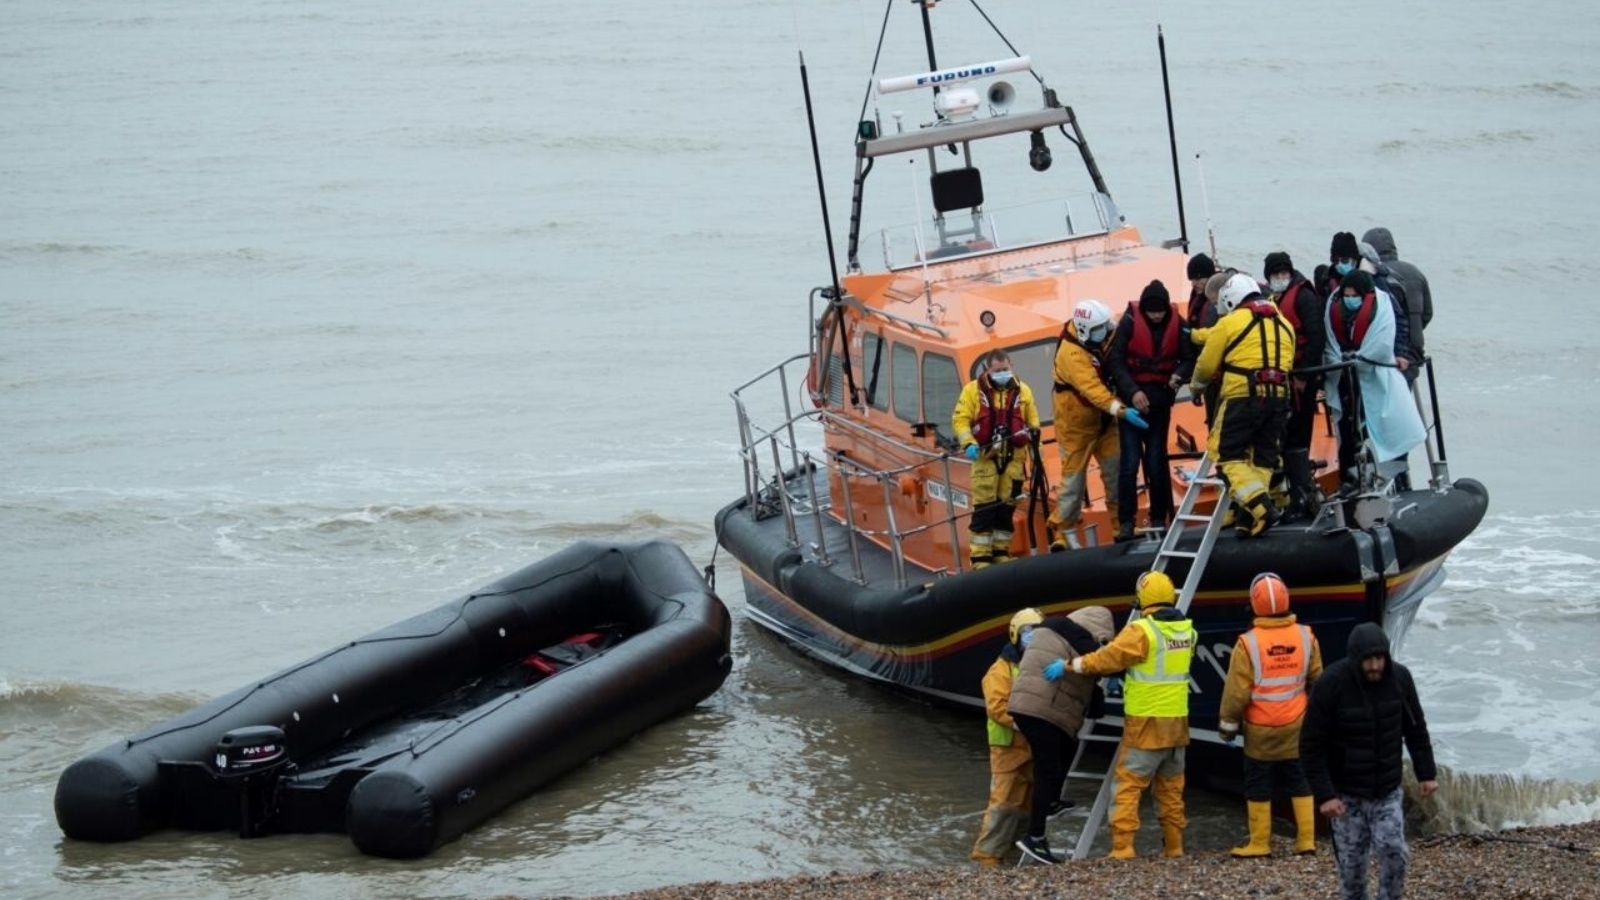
pixel 1523 863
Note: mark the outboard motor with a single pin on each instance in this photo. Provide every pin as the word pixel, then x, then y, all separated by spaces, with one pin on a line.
pixel 253 759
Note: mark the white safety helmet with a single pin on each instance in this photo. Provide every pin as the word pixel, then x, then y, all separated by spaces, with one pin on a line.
pixel 1234 292
pixel 1091 320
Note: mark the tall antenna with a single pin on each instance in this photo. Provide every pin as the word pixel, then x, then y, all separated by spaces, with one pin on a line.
pixel 1172 140
pixel 835 295
pixel 1205 199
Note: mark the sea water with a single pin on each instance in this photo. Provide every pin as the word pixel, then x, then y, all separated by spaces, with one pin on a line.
pixel 319 315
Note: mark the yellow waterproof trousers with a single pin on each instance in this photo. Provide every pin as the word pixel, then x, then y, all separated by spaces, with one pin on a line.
pixel 1137 769
pixel 1077 441
pixel 1245 441
pixel 1010 797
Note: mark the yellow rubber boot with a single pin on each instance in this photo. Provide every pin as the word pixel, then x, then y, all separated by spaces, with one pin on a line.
pixel 1122 845
pixel 1260 844
pixel 1171 841
pixel 1305 824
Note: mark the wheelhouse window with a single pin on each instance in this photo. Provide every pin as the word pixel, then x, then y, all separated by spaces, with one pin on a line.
pixel 906 393
pixel 874 371
pixel 1035 364
pixel 941 386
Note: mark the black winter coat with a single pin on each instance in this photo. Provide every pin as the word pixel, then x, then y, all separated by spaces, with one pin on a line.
pixel 1353 729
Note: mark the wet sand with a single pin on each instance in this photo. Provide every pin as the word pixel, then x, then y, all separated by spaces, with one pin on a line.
pixel 1525 863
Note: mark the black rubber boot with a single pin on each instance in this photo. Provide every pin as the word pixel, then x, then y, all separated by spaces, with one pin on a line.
pixel 1302 489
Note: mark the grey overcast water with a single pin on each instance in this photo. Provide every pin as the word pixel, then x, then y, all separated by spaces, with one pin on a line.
pixel 318 315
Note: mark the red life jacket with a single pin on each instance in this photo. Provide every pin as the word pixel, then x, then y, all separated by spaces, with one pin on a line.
pixel 1349 337
pixel 1286 306
pixel 1196 310
pixel 1147 363
pixel 1008 415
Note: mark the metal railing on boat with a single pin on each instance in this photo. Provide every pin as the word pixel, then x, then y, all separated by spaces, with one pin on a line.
pixel 781 441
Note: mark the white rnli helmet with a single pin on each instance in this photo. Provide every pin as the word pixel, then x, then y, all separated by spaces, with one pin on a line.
pixel 1234 292
pixel 1091 321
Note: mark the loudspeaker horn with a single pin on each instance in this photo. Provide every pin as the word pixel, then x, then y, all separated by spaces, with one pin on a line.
pixel 1000 96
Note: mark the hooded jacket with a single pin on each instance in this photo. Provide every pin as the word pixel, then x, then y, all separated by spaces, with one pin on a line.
pixel 1063 703
pixel 1353 731
pixel 1383 278
pixel 1419 297
pixel 1128 649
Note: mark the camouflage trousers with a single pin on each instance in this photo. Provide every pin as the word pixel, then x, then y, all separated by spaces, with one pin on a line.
pixel 1376 827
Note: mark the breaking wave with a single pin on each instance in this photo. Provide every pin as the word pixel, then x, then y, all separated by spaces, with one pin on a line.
pixel 1468 802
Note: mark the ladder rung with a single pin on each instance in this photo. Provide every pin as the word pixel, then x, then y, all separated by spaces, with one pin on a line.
pixel 1193 517
pixel 1182 554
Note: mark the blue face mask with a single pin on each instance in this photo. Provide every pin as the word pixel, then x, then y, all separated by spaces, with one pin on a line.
pixel 1026 639
pixel 1345 268
pixel 1002 378
pixel 1352 303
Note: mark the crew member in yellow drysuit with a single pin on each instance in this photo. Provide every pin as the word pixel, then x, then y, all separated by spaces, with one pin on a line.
pixel 1010 757
pixel 995 419
pixel 1269 676
pixel 1086 417
pixel 1154 652
pixel 1250 350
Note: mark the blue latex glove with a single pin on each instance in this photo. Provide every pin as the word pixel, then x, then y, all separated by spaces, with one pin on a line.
pixel 972 451
pixel 1132 417
pixel 1055 670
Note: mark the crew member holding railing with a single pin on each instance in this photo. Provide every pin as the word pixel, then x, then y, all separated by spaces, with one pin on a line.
pixel 995 420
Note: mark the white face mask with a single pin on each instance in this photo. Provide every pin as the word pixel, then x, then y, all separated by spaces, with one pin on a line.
pixel 1002 377
pixel 1278 284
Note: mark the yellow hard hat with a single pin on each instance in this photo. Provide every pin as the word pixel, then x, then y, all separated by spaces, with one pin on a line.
pixel 1029 616
pixel 1154 589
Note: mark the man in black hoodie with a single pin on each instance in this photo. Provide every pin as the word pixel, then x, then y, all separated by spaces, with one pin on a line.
pixel 1362 710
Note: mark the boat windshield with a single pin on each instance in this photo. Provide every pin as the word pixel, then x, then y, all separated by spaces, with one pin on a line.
pixel 969 232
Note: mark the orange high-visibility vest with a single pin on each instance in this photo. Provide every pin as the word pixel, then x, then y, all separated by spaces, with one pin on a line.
pixel 1278 696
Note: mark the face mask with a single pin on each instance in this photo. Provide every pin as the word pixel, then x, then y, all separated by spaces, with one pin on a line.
pixel 1352 303
pixel 1026 639
pixel 1278 285
pixel 1345 268
pixel 1001 378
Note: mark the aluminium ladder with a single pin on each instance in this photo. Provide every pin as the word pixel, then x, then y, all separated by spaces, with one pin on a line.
pixel 1183 523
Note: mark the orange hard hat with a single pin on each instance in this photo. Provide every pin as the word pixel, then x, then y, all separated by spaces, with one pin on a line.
pixel 1269 596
